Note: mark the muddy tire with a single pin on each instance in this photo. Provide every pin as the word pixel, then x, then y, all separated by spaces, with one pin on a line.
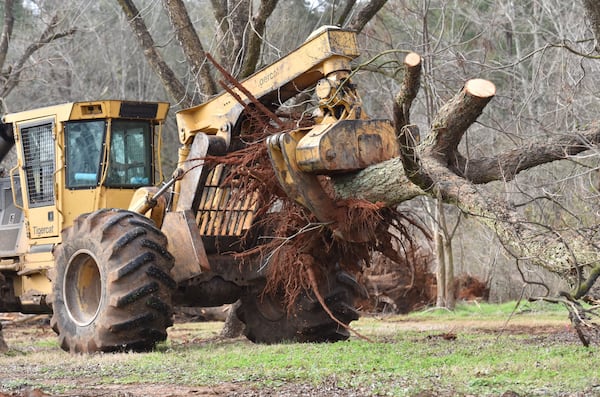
pixel 267 320
pixel 112 288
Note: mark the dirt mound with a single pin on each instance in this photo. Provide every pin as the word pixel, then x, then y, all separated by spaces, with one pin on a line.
pixel 408 285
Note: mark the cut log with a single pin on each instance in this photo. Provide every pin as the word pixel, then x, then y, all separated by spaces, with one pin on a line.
pixel 456 116
pixel 408 91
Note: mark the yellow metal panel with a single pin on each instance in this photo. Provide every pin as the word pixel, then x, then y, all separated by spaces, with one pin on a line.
pixel 77 202
pixel 59 112
pixel 79 111
pixel 32 285
pixel 33 269
pixel 346 145
pixel 43 222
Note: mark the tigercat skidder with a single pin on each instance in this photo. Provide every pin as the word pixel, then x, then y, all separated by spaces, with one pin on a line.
pixel 91 233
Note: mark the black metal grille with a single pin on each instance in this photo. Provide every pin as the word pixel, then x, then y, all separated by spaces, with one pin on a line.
pixel 138 110
pixel 38 152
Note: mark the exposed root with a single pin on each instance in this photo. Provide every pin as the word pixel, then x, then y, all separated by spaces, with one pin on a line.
pixel 287 228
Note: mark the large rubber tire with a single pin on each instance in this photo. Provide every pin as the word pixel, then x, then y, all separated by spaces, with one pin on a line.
pixel 267 320
pixel 112 288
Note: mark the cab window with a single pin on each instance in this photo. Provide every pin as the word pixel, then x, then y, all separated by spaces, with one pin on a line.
pixel 130 157
pixel 84 147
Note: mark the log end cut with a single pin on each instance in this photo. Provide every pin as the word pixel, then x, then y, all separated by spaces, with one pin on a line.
pixel 412 59
pixel 480 88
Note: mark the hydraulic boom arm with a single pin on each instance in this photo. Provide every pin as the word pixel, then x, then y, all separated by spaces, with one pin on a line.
pixel 324 52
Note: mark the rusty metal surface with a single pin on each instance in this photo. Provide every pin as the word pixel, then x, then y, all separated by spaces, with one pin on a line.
pixel 224 211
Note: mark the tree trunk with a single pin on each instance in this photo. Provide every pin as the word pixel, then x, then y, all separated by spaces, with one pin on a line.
pixel 191 45
pixel 7 30
pixel 571 254
pixel 173 86
pixel 450 286
pixel 3 345
pixel 368 11
pixel 233 326
pixel 257 31
pixel 440 254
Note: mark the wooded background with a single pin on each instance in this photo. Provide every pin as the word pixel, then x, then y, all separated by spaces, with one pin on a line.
pixel 542 56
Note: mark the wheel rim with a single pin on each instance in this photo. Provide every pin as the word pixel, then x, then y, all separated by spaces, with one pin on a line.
pixel 82 288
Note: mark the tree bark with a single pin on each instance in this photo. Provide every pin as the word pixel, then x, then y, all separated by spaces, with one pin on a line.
pixel 7 29
pixel 369 10
pixel 253 49
pixel 233 326
pixel 453 119
pixel 408 90
pixel 385 182
pixel 345 12
pixel 173 86
pixel 225 44
pixel 192 46
pixel 506 165
pixel 592 8
pixel 408 135
pixel 440 254
pixel 3 345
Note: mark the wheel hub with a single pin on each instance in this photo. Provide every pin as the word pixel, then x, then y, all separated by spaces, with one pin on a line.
pixel 82 288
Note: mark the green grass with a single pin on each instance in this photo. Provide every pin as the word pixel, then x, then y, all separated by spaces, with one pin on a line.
pixel 494 311
pixel 402 361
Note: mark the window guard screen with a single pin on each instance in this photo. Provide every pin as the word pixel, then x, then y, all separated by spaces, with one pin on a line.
pixel 38 155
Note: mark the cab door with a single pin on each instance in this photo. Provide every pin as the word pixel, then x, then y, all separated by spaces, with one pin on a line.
pixel 38 159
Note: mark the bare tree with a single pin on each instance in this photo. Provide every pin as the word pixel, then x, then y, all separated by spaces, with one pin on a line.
pixel 10 76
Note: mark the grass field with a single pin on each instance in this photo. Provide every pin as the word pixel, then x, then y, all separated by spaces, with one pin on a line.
pixel 476 350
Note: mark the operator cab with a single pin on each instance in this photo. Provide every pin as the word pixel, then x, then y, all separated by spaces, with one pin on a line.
pixel 76 158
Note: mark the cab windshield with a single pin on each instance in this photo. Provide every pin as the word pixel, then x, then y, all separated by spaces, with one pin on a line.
pixel 129 160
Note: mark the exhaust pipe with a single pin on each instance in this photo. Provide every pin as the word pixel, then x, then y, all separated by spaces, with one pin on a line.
pixel 7 140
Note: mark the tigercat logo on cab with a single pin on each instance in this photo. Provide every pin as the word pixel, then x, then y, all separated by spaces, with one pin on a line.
pixel 38 231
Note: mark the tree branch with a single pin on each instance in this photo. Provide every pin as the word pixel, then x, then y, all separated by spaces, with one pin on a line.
pixel 345 12
pixel 365 15
pixel 47 36
pixel 408 135
pixel 9 21
pixel 252 51
pixel 192 46
pixel 173 86
pixel 506 165
pixel 453 119
pixel 408 90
